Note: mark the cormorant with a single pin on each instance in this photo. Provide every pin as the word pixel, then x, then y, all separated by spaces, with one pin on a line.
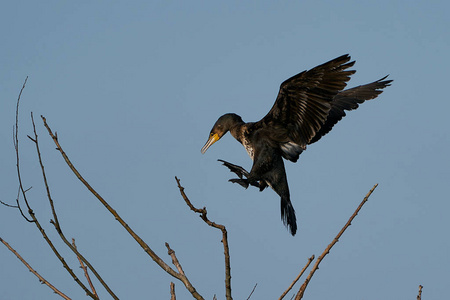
pixel 307 107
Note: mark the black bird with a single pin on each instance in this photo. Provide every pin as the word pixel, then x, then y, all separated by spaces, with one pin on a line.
pixel 307 107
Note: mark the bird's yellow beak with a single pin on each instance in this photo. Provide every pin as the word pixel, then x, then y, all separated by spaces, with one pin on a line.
pixel 213 137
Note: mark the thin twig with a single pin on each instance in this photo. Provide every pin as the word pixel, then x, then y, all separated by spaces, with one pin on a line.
pixel 9 205
pixel 85 270
pixel 136 237
pixel 297 278
pixel 251 293
pixel 172 291
pixel 56 224
pixel 30 211
pixel 336 239
pixel 41 279
pixel 203 215
pixel 419 295
pixel 16 147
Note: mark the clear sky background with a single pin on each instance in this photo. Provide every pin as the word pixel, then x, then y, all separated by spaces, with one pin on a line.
pixel 133 88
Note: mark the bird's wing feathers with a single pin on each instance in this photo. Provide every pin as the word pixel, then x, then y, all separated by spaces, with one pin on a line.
pixel 303 104
pixel 349 100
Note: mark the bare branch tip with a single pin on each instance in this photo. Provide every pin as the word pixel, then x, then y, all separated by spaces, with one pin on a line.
pixel 31 138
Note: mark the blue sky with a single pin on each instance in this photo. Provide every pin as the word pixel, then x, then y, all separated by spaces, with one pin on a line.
pixel 133 88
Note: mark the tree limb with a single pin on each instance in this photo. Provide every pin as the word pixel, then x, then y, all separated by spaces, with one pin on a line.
pixel 419 295
pixel 16 147
pixel 30 211
pixel 85 270
pixel 297 278
pixel 251 293
pixel 203 215
pixel 56 224
pixel 136 237
pixel 336 239
pixel 41 279
pixel 172 291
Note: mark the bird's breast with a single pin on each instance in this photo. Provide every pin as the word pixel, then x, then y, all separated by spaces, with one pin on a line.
pixel 248 147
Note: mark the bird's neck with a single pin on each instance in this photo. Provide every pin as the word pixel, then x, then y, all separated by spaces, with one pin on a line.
pixel 237 131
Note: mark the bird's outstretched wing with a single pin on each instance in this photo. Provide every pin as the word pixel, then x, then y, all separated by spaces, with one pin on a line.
pixel 303 104
pixel 349 100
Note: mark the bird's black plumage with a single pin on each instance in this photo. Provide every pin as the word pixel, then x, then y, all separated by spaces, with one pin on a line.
pixel 307 107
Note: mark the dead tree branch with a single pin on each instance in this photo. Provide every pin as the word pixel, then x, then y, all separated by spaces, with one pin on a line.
pixel 16 147
pixel 136 237
pixel 41 279
pixel 336 239
pixel 175 261
pixel 55 221
pixel 30 211
pixel 85 270
pixel 297 278
pixel 419 295
pixel 251 293
pixel 9 205
pixel 172 291
pixel 203 215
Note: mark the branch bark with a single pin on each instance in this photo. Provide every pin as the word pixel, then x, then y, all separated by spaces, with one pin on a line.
pixel 172 291
pixel 419 295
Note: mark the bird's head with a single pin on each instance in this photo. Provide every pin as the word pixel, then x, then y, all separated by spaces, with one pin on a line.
pixel 222 126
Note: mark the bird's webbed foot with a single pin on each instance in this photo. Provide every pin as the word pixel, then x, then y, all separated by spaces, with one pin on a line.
pixel 241 173
pixel 238 170
pixel 242 182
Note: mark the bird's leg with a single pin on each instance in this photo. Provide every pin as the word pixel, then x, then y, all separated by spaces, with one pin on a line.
pixel 241 172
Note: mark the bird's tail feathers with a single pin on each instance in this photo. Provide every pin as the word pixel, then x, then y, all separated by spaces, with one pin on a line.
pixel 288 215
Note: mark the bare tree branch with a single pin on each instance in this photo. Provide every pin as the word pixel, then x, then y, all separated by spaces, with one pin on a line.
pixel 30 211
pixel 136 237
pixel 175 261
pixel 172 291
pixel 85 270
pixel 9 205
pixel 419 295
pixel 297 278
pixel 56 223
pixel 41 279
pixel 251 293
pixel 327 250
pixel 16 147
pixel 203 215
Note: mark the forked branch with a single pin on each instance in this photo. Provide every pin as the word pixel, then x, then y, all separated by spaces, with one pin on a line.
pixel 203 214
pixel 30 210
pixel 297 278
pixel 327 250
pixel 136 237
pixel 56 224
pixel 85 270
